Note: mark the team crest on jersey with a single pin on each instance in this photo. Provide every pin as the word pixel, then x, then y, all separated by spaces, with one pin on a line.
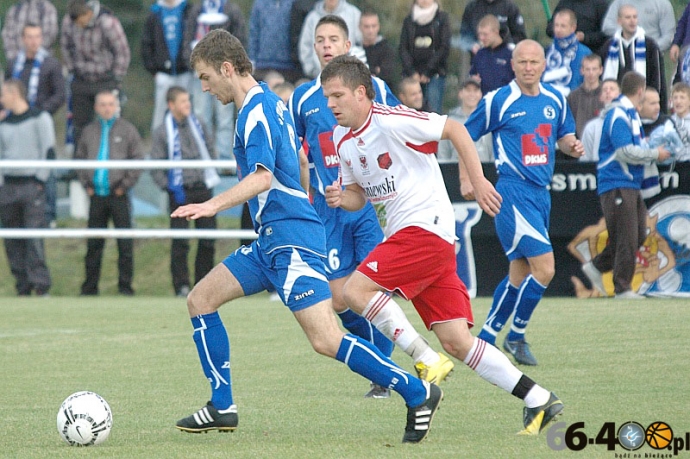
pixel 364 165
pixel 549 112
pixel 385 161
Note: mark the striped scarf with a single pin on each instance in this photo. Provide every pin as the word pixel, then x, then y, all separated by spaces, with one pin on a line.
pixel 175 182
pixel 558 58
pixel 633 118
pixel 685 68
pixel 211 15
pixel 32 87
pixel 616 58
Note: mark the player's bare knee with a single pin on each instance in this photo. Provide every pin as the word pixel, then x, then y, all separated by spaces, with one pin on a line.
pixel 324 345
pixel 545 275
pixel 338 302
pixel 455 338
pixel 197 304
pixel 457 347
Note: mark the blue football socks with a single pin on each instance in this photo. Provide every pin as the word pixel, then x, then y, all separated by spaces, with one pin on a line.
pixel 213 347
pixel 529 296
pixel 364 359
pixel 359 326
pixel 502 307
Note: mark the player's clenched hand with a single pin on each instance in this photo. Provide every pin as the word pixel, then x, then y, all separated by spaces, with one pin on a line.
pixel 577 149
pixel 487 197
pixel 334 194
pixel 467 190
pixel 194 211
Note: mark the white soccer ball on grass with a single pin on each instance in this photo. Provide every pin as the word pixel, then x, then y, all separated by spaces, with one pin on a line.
pixel 84 419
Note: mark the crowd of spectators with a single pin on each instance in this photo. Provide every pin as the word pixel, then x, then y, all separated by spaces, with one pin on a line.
pixel 594 41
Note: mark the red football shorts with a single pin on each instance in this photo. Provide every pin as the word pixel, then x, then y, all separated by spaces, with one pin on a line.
pixel 421 267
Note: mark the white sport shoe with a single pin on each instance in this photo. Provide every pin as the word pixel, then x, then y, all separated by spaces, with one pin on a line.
pixel 594 276
pixel 629 295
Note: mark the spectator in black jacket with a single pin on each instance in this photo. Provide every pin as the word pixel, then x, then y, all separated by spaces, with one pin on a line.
pixel 590 17
pixel 380 54
pixel 161 51
pixel 424 49
pixel 298 13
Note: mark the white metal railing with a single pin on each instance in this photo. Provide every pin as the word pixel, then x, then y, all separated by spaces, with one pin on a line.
pixel 120 233
pixel 80 233
pixel 116 164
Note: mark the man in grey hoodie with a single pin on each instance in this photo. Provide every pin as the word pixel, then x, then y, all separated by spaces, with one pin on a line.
pixel 26 133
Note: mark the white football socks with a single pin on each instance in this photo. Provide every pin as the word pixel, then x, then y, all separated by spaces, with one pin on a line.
pixel 493 365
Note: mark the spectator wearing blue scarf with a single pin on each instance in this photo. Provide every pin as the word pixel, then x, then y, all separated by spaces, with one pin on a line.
pixel 564 56
pixel 183 137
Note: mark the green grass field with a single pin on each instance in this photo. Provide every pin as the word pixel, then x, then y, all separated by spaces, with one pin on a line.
pixel 610 361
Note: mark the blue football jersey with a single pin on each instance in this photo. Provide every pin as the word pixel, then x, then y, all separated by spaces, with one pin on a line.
pixel 265 136
pixel 309 103
pixel 525 130
pixel 617 132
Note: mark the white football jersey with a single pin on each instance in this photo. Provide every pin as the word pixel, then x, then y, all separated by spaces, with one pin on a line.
pixel 392 158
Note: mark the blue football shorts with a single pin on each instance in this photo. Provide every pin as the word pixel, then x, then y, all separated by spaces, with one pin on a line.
pixel 522 225
pixel 297 275
pixel 350 236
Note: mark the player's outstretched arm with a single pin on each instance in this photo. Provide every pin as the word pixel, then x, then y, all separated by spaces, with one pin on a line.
pixel 470 167
pixel 351 198
pixel 250 186
pixel 571 146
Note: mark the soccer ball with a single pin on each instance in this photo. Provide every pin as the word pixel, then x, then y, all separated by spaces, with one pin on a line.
pixel 84 419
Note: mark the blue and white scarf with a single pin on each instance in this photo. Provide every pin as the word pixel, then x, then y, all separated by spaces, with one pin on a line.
pixel 685 66
pixel 32 89
pixel 558 58
pixel 211 15
pixel 175 182
pixel 616 57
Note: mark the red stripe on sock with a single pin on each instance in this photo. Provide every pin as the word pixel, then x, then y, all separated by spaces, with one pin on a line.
pixel 376 307
pixel 478 354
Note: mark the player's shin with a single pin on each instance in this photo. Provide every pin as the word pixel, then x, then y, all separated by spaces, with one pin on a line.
pixel 386 315
pixel 213 346
pixel 529 296
pixel 502 307
pixel 364 359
